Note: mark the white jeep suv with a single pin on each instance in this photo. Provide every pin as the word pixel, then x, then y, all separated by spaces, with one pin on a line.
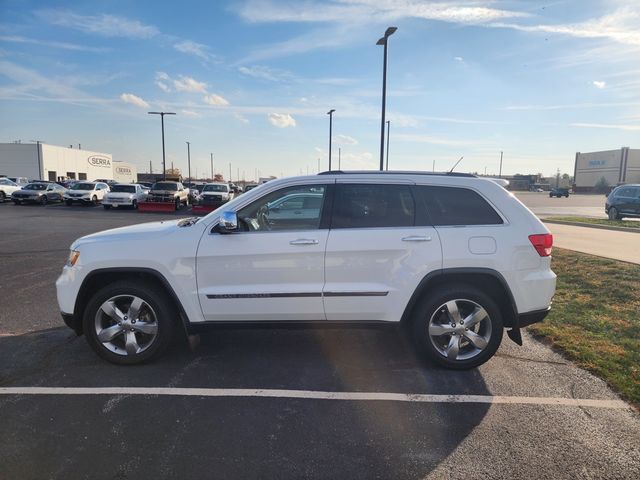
pixel 454 258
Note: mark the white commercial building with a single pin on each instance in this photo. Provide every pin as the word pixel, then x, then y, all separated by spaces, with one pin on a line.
pixel 615 166
pixel 51 162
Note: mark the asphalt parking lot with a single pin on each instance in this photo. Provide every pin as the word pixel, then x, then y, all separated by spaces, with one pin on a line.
pixel 283 403
pixel 591 205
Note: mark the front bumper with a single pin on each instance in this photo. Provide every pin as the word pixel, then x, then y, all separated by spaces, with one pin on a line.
pixel 77 199
pixel 529 318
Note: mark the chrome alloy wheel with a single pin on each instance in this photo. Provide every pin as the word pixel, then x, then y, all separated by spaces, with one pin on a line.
pixel 460 329
pixel 126 325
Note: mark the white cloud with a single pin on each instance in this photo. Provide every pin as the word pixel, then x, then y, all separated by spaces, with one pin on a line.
pixel 630 127
pixel 469 11
pixel 161 80
pixel 52 44
pixel 265 73
pixel 190 113
pixel 215 100
pixel 104 25
pixel 458 59
pixel 599 84
pixel 282 120
pixel 194 48
pixel 241 118
pixel 188 84
pixel 134 100
pixel 344 140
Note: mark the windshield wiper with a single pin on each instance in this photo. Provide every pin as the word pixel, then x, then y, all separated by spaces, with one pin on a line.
pixel 187 222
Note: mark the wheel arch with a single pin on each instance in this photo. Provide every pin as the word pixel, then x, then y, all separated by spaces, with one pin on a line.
pixel 488 280
pixel 101 277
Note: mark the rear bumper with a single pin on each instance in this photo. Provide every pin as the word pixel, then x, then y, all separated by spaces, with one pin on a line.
pixel 529 318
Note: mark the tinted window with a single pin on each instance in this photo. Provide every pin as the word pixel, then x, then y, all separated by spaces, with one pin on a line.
pixel 83 186
pixel 367 206
pixel 625 192
pixel 456 206
pixel 272 212
pixel 171 187
pixel 123 189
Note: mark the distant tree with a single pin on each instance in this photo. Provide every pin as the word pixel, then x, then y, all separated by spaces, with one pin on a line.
pixel 173 171
pixel 602 186
pixel 218 177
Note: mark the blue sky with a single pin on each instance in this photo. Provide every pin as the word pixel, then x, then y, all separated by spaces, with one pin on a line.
pixel 251 81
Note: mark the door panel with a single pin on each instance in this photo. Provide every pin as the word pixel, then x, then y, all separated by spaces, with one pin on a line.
pixel 262 275
pixel 372 273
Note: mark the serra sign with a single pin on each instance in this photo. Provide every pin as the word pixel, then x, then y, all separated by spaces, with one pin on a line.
pixel 97 161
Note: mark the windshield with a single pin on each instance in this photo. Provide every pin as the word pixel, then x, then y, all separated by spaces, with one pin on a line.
pixel 35 186
pixel 215 188
pixel 123 189
pixel 172 187
pixel 83 186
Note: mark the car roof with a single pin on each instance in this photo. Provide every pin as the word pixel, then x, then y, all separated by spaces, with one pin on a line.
pixel 395 172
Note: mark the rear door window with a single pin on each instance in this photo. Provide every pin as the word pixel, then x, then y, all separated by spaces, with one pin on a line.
pixel 370 206
pixel 447 206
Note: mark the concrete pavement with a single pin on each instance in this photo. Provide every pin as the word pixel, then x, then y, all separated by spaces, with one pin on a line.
pixel 623 246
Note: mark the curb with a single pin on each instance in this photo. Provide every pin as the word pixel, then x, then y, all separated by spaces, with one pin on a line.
pixel 593 225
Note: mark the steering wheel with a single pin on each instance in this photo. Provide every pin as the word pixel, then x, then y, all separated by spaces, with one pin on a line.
pixel 263 218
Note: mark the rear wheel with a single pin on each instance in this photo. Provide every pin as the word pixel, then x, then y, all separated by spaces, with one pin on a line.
pixel 128 323
pixel 43 200
pixel 613 214
pixel 134 204
pixel 458 327
pixel 106 207
pixel 2 197
pixel 69 203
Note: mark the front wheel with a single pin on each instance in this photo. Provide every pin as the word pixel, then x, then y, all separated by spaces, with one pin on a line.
pixel 16 202
pixel 458 327
pixel 94 200
pixel 613 214
pixel 68 202
pixel 106 207
pixel 43 200
pixel 2 197
pixel 129 323
pixel 134 204
pixel 177 204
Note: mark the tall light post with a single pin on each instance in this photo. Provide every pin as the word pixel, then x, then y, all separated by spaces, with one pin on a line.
pixel 189 159
pixel 384 41
pixel 164 166
pixel 339 158
pixel 388 127
pixel 38 142
pixel 212 177
pixel 500 174
pixel 330 113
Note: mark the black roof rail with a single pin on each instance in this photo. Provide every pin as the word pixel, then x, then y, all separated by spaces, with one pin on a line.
pixel 397 172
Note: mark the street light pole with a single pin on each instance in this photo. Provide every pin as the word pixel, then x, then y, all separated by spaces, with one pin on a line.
pixel 500 174
pixel 164 166
pixel 189 159
pixel 212 177
pixel 388 127
pixel 384 41
pixel 330 113
pixel 38 142
pixel 339 158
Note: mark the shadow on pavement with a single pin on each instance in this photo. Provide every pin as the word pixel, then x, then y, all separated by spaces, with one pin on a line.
pixel 150 436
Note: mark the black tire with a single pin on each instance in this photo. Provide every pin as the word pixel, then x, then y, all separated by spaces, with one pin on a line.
pixel 432 305
pixel 43 200
pixel 69 203
pixel 165 316
pixel 94 200
pixel 3 197
pixel 106 207
pixel 613 214
pixel 134 204
pixel 178 204
pixel 17 202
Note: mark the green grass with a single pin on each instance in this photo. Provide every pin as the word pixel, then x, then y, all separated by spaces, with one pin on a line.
pixel 595 318
pixel 599 221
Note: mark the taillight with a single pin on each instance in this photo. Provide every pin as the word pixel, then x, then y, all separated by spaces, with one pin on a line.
pixel 543 243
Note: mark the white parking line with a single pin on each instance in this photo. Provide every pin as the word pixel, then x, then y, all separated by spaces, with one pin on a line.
pixel 316 395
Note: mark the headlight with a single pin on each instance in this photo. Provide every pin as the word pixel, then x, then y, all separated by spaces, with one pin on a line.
pixel 74 255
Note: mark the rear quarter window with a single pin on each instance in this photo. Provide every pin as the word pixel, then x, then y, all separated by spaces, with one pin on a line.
pixel 446 206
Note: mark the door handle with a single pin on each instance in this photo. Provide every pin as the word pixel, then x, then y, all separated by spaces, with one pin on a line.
pixel 304 241
pixel 416 238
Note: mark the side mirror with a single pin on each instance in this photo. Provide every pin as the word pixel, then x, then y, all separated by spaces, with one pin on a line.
pixel 228 222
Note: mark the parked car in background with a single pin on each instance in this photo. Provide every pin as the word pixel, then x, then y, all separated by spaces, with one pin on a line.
pixel 21 181
pixel 249 186
pixel 146 184
pixel 453 258
pixel 86 193
pixel 7 187
pixel 623 201
pixel 68 183
pixel 559 192
pixel 169 192
pixel 39 192
pixel 124 195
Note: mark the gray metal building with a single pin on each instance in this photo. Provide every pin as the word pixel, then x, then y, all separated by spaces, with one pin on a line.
pixel 615 166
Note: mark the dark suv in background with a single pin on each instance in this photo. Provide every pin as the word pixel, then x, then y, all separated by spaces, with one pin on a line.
pixel 559 192
pixel 623 201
